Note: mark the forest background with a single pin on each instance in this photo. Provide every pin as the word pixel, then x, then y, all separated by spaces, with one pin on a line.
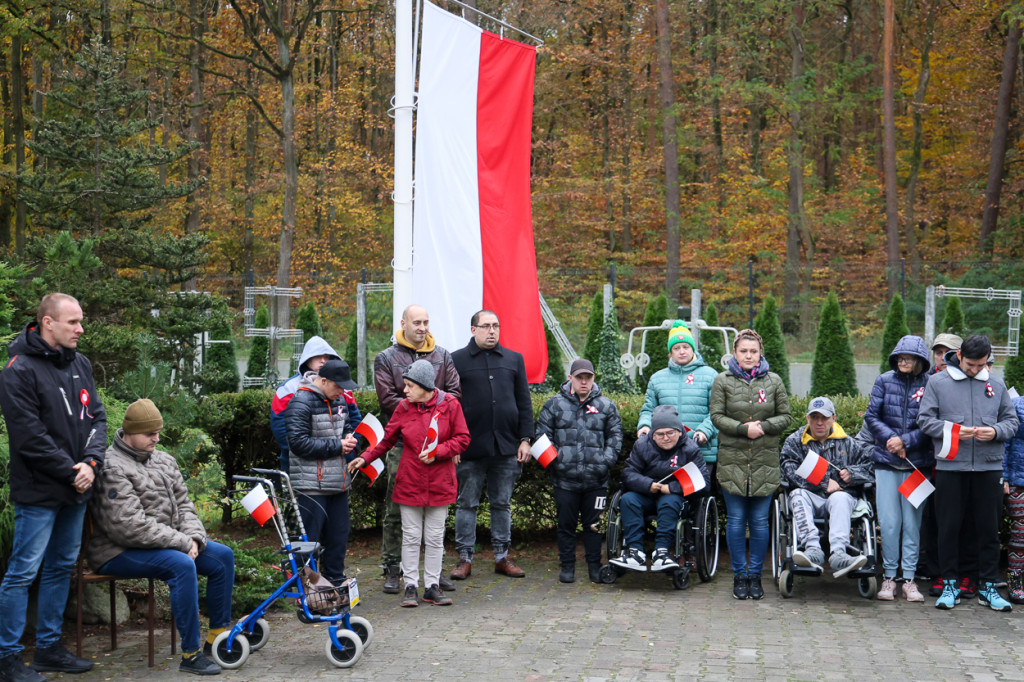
pixel 260 133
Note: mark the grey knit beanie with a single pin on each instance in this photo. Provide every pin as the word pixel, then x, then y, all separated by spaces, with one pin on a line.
pixel 665 417
pixel 422 373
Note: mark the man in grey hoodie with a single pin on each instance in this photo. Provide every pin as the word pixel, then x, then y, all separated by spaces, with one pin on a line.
pixel 968 414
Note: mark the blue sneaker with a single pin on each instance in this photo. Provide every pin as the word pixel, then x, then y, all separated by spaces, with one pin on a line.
pixel 950 596
pixel 989 594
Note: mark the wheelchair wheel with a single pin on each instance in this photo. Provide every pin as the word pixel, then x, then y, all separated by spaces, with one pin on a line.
pixel 362 627
pixel 786 583
pixel 350 651
pixel 259 636
pixel 777 531
pixel 681 578
pixel 868 587
pixel 707 539
pixel 613 534
pixel 608 574
pixel 235 658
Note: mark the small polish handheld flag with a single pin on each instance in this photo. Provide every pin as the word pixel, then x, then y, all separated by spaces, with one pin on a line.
pixel 373 470
pixel 430 442
pixel 916 488
pixel 690 478
pixel 370 429
pixel 259 505
pixel 543 451
pixel 950 441
pixel 813 468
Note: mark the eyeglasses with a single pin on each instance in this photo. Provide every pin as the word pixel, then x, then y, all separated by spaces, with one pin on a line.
pixel 905 360
pixel 488 327
pixel 664 435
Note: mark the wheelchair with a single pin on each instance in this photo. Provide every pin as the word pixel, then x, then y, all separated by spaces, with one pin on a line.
pixel 863 540
pixel 697 541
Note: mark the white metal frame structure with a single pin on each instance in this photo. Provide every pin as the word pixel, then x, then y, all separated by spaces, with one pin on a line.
pixel 273 332
pixel 1013 312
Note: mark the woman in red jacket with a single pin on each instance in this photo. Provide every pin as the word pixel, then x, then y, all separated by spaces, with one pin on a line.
pixel 433 431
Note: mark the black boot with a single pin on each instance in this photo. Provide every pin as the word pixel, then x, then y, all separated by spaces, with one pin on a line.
pixel 59 660
pixel 392 579
pixel 13 669
pixel 595 572
pixel 755 591
pixel 568 573
pixel 740 587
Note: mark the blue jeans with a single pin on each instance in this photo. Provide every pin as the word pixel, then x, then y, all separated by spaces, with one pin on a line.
pixel 216 561
pixel 633 506
pixel 743 512
pixel 47 536
pixel 327 521
pixel 499 473
pixel 895 514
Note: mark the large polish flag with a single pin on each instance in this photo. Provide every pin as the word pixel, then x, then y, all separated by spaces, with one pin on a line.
pixel 472 225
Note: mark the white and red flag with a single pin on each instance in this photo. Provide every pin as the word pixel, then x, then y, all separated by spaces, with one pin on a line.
pixel 430 442
pixel 373 470
pixel 543 451
pixel 472 225
pixel 916 488
pixel 950 441
pixel 813 468
pixel 259 505
pixel 371 430
pixel 690 478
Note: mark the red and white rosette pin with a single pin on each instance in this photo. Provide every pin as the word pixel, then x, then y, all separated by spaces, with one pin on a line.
pixel 83 397
pixel 918 394
pixel 762 397
pixel 988 389
pixel 689 378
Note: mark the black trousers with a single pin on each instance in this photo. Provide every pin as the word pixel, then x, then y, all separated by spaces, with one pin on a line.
pixel 928 564
pixel 973 495
pixel 579 508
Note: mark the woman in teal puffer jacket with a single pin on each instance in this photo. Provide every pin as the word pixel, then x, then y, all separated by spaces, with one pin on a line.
pixel 685 385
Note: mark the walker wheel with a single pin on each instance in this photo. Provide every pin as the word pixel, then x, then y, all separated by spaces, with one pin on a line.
pixel 362 627
pixel 229 660
pixel 350 651
pixel 260 634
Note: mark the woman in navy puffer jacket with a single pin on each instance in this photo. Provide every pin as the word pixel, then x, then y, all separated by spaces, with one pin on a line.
pixel 899 448
pixel 1013 487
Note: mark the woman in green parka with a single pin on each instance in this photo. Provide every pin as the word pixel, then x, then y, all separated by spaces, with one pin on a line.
pixel 750 408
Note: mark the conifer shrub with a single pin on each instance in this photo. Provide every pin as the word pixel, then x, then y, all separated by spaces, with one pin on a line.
pixel 767 325
pixel 895 329
pixel 833 372
pixel 592 346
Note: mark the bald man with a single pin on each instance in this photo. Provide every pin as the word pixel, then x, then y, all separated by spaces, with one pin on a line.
pixel 412 342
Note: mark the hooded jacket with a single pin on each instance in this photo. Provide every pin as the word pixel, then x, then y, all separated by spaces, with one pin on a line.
pixel 141 502
pixel 54 418
pixel 688 389
pixel 390 364
pixel 839 449
pixel 1013 458
pixel 893 408
pixel 587 435
pixel 648 463
pixel 316 346
pixel 316 427
pixel 495 399
pixel 981 400
pixel 418 484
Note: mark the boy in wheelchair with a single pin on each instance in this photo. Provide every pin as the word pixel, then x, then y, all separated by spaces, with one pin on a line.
pixel 834 495
pixel 654 458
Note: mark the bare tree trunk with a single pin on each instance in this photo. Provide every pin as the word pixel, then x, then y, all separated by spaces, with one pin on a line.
pixel 923 76
pixel 797 274
pixel 716 100
pixel 196 122
pixel 18 120
pixel 997 160
pixel 892 212
pixel 251 149
pixel 291 184
pixel 625 84
pixel 8 193
pixel 671 153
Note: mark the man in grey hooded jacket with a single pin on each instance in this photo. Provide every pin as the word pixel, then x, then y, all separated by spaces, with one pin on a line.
pixel 968 414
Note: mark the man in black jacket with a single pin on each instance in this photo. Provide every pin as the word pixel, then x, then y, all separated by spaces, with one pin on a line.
pixel 496 402
pixel 58 435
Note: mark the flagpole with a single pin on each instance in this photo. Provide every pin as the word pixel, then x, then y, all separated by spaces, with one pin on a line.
pixel 403 105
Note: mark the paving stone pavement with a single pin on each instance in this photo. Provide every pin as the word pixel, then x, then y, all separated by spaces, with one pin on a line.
pixel 640 628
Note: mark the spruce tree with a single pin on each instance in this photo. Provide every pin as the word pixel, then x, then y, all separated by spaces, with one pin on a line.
pixel 556 368
pixel 259 352
pixel 833 373
pixel 1013 373
pixel 592 346
pixel 656 313
pixel 308 320
pixel 953 320
pixel 610 376
pixel 895 329
pixel 711 341
pixel 351 351
pixel 220 373
pixel 767 325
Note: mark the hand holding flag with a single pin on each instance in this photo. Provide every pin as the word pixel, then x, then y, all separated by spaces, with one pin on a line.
pixel 813 468
pixel 690 478
pixel 370 429
pixel 950 441
pixel 429 449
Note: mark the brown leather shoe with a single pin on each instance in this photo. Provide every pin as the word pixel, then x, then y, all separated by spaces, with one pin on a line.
pixel 462 570
pixel 509 568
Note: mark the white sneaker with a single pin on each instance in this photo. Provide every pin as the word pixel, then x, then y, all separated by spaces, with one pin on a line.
pixel 888 590
pixel 910 591
pixel 633 559
pixel 842 563
pixel 661 561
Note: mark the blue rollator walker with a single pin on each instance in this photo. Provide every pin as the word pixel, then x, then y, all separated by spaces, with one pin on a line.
pixel 317 599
